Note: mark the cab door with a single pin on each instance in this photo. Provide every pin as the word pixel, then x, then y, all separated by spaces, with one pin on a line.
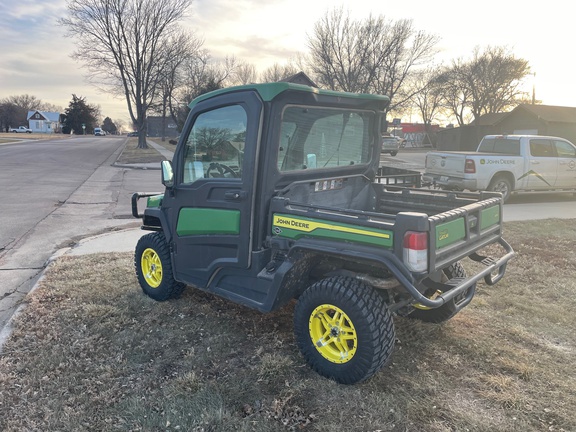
pixel 542 166
pixel 212 200
pixel 566 152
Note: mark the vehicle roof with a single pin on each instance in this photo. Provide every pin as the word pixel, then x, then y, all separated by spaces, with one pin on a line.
pixel 511 136
pixel 269 91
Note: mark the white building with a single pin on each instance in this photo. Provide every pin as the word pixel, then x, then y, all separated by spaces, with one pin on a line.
pixel 44 122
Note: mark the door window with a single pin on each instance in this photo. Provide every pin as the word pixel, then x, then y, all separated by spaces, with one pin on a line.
pixel 565 150
pixel 215 145
pixel 541 148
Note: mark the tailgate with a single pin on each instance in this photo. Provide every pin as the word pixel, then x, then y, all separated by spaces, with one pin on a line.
pixel 457 233
pixel 445 163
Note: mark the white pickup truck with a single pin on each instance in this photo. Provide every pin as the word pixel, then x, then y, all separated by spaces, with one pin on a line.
pixel 506 164
pixel 21 129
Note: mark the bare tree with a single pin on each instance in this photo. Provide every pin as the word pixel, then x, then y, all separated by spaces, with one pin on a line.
pixel 490 82
pixel 277 72
pixel 26 102
pixel 123 44
pixel 185 48
pixel 120 124
pixel 455 94
pixel 373 55
pixel 341 57
pixel 245 74
pixel 426 94
pixel 407 52
pixel 198 74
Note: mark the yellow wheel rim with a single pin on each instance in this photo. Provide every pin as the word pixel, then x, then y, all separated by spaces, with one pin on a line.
pixel 151 267
pixel 333 333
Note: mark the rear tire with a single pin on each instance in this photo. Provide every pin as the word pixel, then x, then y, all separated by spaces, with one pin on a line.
pixel 394 153
pixel 447 310
pixel 154 268
pixel 503 185
pixel 344 329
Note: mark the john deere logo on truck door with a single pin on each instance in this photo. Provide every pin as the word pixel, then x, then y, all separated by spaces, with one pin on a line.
pixel 295 228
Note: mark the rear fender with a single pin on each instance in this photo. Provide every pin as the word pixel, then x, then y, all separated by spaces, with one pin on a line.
pixel 506 174
pixel 292 276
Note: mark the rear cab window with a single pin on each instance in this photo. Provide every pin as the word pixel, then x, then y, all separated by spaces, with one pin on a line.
pixel 507 146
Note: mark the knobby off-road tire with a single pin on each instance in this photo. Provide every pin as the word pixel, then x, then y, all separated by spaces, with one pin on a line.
pixel 447 310
pixel 154 268
pixel 344 329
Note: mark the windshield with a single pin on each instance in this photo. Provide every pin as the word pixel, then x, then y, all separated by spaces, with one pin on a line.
pixel 316 138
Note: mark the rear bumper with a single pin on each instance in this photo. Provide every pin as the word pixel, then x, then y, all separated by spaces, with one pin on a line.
pixel 448 182
pixel 494 271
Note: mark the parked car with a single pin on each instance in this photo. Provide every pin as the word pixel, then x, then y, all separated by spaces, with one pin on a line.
pixel 99 132
pixel 133 134
pixel 21 129
pixel 390 144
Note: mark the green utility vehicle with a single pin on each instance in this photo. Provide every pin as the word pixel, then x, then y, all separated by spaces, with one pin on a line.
pixel 272 196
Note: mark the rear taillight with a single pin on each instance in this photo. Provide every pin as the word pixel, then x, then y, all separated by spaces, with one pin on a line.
pixel 416 251
pixel 470 166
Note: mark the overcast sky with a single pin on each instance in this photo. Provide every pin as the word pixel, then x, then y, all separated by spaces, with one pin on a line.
pixel 35 55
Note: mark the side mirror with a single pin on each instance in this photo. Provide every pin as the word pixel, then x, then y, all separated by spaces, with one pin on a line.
pixel 167 174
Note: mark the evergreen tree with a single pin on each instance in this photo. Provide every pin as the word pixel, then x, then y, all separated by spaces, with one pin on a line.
pixel 109 126
pixel 79 113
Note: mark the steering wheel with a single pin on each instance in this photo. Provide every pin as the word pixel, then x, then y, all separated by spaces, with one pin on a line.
pixel 221 170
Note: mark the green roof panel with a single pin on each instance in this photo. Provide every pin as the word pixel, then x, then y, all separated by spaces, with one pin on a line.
pixel 269 91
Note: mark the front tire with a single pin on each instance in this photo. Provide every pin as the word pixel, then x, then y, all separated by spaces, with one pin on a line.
pixel 344 329
pixel 154 268
pixel 447 310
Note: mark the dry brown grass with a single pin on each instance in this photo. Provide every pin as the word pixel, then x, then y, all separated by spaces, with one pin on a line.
pixel 10 138
pixel 132 154
pixel 90 352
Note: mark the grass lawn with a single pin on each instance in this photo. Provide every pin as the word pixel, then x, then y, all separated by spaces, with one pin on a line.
pixel 132 154
pixel 92 353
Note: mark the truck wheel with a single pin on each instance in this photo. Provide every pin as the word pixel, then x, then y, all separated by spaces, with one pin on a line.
pixel 501 184
pixel 447 310
pixel 154 268
pixel 344 329
pixel 393 153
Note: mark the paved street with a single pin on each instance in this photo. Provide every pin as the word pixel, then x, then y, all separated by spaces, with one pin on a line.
pixel 55 193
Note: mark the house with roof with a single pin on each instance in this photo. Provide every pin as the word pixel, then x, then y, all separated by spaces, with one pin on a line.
pixel 44 122
pixel 300 78
pixel 525 119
